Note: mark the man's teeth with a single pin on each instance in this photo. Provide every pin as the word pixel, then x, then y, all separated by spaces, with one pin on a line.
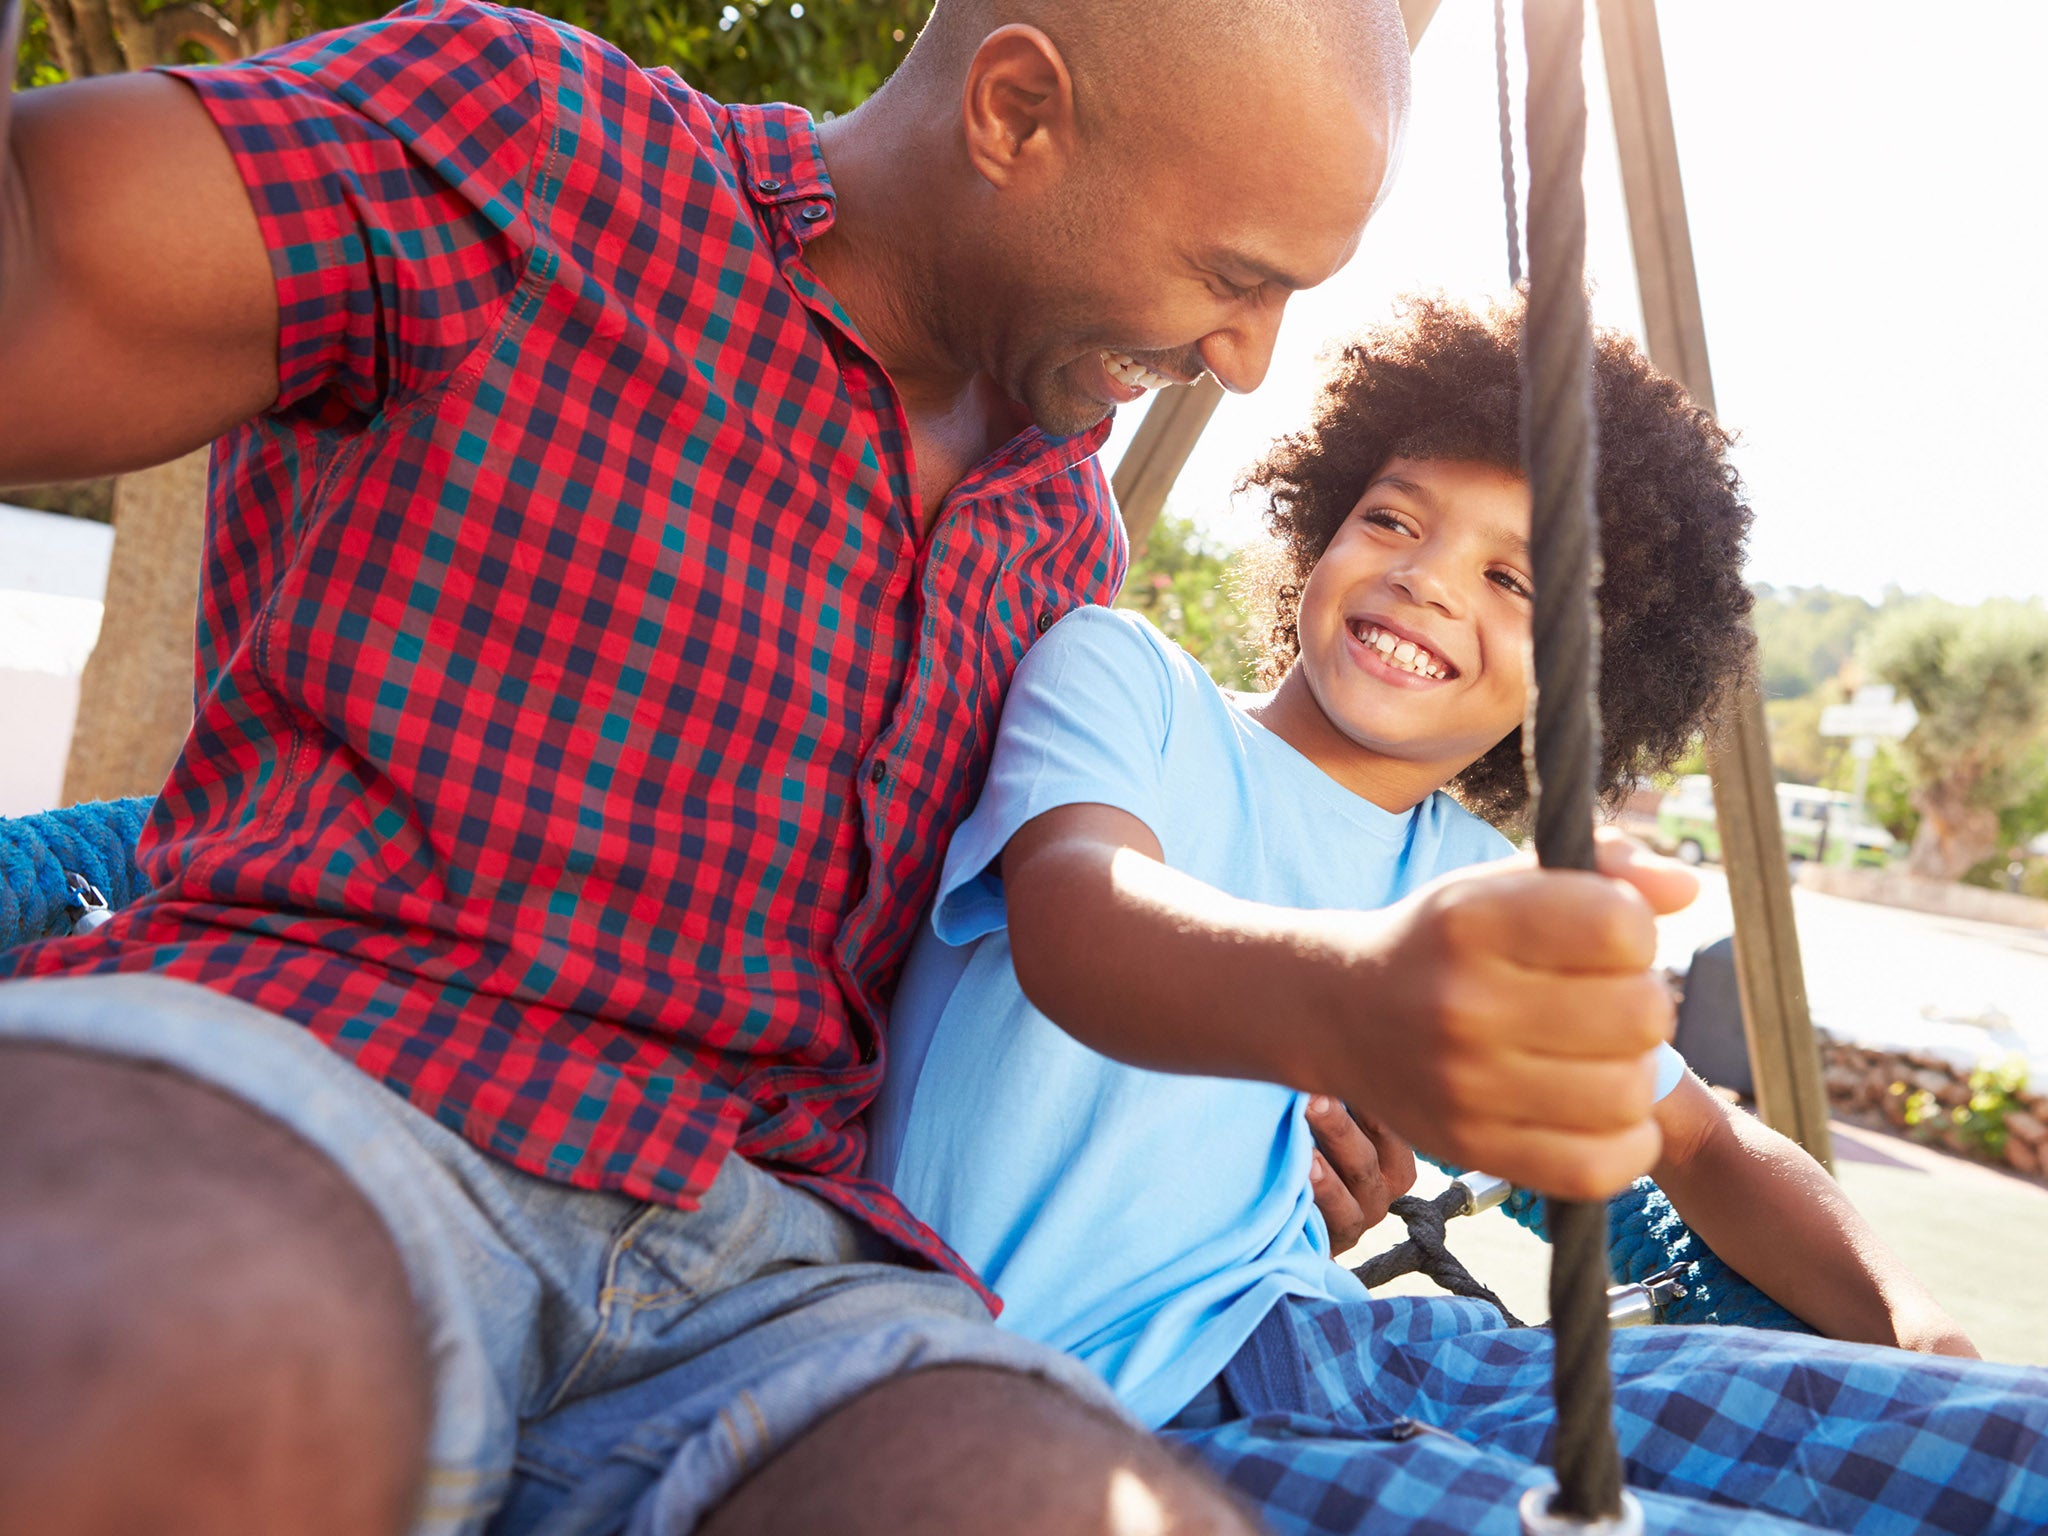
pixel 1134 374
pixel 1401 653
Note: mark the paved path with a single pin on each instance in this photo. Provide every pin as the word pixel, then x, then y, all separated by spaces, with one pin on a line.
pixel 1977 1237
pixel 1884 976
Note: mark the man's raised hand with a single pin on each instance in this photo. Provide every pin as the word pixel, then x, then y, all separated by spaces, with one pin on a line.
pixel 1359 1169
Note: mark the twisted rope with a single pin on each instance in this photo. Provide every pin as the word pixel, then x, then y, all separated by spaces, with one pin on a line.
pixel 1558 453
pixel 1423 1251
pixel 1507 141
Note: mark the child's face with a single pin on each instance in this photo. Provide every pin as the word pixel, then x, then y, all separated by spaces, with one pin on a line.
pixel 1414 625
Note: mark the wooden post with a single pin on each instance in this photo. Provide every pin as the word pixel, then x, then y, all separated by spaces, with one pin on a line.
pixel 1165 438
pixel 135 697
pixel 1790 1094
pixel 1174 421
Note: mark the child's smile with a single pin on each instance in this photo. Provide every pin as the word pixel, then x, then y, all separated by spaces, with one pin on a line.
pixel 1413 631
pixel 1404 657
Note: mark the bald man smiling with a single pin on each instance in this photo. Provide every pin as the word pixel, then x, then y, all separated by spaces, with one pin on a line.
pixel 626 513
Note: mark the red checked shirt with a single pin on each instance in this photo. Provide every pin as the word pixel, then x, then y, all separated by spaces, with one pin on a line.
pixel 582 716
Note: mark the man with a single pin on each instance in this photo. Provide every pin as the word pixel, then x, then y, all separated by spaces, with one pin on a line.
pixel 626 514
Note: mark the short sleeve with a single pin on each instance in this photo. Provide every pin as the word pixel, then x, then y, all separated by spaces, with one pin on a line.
pixel 1085 723
pixel 1670 1070
pixel 388 166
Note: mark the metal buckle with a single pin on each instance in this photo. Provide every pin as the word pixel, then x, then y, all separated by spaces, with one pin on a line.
pixel 89 908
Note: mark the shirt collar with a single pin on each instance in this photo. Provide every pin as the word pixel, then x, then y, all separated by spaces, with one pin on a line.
pixel 785 171
pixel 783 165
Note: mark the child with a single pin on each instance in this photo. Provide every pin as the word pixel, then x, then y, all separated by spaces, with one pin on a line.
pixel 1163 874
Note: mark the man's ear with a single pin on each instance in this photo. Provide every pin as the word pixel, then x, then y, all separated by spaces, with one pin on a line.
pixel 1017 107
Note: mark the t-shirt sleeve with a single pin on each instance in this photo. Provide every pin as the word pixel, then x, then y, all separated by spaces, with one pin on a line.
pixel 1085 722
pixel 1670 1070
pixel 388 166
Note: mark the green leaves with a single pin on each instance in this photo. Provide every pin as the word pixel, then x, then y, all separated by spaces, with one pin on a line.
pixel 1181 582
pixel 1978 761
pixel 827 56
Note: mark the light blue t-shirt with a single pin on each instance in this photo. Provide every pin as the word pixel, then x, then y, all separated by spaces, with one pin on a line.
pixel 1143 1221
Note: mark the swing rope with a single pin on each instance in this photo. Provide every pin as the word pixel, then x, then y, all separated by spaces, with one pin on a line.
pixel 1423 1250
pixel 1558 459
pixel 1507 141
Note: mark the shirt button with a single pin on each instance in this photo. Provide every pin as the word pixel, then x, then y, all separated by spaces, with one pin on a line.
pixel 878 772
pixel 768 184
pixel 814 211
pixel 1046 620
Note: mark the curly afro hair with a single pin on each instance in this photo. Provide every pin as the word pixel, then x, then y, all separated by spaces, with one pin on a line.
pixel 1442 382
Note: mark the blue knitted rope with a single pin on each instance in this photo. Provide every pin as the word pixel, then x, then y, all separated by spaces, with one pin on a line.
pixel 1645 1235
pixel 96 840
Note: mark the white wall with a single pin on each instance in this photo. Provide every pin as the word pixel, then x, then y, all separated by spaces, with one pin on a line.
pixel 53 579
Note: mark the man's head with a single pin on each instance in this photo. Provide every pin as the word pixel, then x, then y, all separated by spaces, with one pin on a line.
pixel 1141 186
pixel 1403 519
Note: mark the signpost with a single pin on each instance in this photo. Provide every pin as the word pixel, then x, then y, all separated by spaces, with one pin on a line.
pixel 1874 715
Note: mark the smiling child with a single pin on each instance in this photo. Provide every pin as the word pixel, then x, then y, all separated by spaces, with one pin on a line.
pixel 1145 842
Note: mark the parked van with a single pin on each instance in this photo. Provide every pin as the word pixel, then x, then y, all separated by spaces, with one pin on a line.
pixel 1686 825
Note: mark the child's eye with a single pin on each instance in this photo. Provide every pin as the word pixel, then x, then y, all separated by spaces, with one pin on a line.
pixel 1509 582
pixel 1380 517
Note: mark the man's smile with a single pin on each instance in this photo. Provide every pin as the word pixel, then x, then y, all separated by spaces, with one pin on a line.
pixel 1133 375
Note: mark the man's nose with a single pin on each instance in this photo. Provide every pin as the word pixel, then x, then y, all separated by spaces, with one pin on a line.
pixel 1240 354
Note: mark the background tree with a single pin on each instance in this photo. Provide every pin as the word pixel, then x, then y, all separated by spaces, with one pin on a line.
pixel 1979 677
pixel 1181 582
pixel 1804 634
pixel 825 55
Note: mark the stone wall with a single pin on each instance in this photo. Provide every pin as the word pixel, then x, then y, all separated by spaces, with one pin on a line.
pixel 1896 888
pixel 1873 1086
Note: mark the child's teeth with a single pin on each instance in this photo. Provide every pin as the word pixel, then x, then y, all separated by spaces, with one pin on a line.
pixel 1405 653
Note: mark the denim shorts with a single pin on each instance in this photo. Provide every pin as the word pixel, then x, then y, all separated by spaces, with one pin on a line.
pixel 599 1364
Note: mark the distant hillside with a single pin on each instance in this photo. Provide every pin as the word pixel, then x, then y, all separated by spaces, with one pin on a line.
pixel 1806 633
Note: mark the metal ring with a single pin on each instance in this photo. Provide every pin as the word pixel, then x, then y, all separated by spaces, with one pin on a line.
pixel 1538 1519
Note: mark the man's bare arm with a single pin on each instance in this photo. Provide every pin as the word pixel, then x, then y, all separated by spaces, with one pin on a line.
pixel 138 319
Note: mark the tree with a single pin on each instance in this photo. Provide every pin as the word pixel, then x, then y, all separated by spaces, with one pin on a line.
pixel 1804 634
pixel 1181 582
pixel 1799 753
pixel 1979 677
pixel 824 55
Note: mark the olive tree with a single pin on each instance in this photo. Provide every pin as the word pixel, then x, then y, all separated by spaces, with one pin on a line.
pixel 1979 677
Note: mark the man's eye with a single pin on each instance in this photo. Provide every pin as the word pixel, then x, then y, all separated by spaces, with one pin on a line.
pixel 1225 288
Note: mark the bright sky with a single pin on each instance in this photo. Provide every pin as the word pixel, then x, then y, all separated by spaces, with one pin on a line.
pixel 1865 184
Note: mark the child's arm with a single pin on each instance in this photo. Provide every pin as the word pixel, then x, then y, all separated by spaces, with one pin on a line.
pixel 1771 1213
pixel 1501 1018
